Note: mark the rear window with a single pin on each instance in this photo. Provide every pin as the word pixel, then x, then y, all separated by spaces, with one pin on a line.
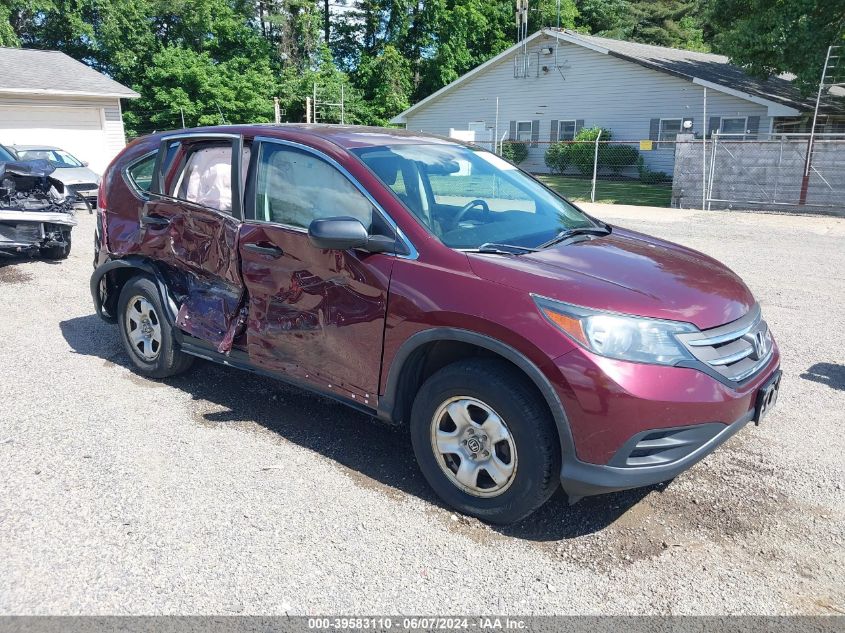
pixel 141 173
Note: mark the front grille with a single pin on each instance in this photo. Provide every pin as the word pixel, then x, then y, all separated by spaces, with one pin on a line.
pixel 736 350
pixel 83 186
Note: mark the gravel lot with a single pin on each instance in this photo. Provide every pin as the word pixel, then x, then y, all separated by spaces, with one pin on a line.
pixel 219 492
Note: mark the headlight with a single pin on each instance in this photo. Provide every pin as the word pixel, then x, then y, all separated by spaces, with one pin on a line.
pixel 619 336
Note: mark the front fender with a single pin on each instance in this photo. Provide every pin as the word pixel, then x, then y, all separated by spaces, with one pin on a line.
pixel 389 401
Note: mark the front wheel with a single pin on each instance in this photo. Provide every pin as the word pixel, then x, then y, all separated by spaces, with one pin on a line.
pixel 146 334
pixel 485 440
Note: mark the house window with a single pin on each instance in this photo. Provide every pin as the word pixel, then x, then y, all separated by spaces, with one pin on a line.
pixel 733 126
pixel 523 130
pixel 669 130
pixel 566 130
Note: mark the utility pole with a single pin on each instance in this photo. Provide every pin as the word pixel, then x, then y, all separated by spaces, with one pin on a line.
pixel 326 22
pixel 308 109
pixel 182 112
pixel 276 110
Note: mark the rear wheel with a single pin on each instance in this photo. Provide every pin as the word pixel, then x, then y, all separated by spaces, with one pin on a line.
pixel 146 334
pixel 485 440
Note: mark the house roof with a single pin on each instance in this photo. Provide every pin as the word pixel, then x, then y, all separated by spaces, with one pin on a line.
pixel 705 69
pixel 38 72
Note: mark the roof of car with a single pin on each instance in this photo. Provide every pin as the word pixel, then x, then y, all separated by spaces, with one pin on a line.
pixel 356 136
pixel 43 147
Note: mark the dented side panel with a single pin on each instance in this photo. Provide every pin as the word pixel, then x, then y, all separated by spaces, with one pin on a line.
pixel 313 314
pixel 195 247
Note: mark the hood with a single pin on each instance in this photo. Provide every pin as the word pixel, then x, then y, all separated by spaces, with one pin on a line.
pixel 626 272
pixel 75 175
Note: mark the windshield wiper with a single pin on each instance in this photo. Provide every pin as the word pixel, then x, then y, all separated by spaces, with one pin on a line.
pixel 568 233
pixel 503 249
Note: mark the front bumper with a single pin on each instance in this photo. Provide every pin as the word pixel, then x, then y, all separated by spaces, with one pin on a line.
pixel 580 479
pixel 27 231
pixel 635 425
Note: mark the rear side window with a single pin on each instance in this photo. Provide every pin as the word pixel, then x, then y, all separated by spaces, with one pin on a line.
pixel 141 173
pixel 295 187
pixel 206 179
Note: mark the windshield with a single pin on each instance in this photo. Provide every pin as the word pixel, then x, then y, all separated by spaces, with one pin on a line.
pixel 5 156
pixel 471 197
pixel 57 157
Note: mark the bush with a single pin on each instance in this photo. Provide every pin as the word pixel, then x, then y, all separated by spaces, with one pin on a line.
pixel 514 152
pixel 558 157
pixel 650 177
pixel 618 157
pixel 582 153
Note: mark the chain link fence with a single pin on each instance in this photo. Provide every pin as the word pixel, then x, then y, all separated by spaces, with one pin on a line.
pixel 621 172
pixel 769 172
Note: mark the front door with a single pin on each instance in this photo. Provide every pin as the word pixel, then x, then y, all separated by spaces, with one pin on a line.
pixel 190 224
pixel 314 315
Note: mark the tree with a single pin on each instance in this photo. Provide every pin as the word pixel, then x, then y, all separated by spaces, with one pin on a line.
pixel 673 23
pixel 769 37
pixel 386 81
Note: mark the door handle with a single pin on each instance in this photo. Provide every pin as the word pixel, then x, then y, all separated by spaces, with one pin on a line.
pixel 271 251
pixel 155 221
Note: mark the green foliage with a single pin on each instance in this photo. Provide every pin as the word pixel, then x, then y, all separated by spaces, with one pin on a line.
pixel 226 59
pixel 650 177
pixel 617 157
pixel 582 153
pixel 558 157
pixel 674 23
pixel 770 37
pixel 515 152
pixel 386 82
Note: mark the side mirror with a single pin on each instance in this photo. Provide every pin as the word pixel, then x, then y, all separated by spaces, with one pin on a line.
pixel 344 233
pixel 85 163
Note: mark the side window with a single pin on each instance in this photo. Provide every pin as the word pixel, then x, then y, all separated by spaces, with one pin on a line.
pixel 294 187
pixel 206 178
pixel 141 173
pixel 669 130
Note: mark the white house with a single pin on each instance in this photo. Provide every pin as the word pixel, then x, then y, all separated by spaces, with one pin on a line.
pixel 556 81
pixel 47 97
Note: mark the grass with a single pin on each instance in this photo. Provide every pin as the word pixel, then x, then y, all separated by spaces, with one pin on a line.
pixel 627 192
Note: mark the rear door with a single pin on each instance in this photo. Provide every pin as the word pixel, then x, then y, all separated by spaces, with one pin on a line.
pixel 315 315
pixel 190 224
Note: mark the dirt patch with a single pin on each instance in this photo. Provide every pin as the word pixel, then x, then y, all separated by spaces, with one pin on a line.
pixel 368 483
pixel 13 275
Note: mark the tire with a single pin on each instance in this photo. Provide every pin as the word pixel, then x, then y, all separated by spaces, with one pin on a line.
pixel 57 252
pixel 146 334
pixel 526 462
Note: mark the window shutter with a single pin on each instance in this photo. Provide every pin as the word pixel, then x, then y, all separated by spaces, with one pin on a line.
pixel 753 126
pixel 553 133
pixel 512 131
pixel 713 126
pixel 535 132
pixel 579 125
pixel 654 130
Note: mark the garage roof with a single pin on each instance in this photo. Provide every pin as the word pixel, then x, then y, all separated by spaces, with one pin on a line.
pixel 30 71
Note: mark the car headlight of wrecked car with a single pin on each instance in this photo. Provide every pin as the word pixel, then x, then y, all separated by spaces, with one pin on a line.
pixel 619 336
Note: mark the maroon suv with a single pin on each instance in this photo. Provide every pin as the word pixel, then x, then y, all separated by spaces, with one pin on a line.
pixel 432 284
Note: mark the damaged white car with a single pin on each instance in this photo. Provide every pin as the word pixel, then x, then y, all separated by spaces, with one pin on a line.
pixel 36 210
